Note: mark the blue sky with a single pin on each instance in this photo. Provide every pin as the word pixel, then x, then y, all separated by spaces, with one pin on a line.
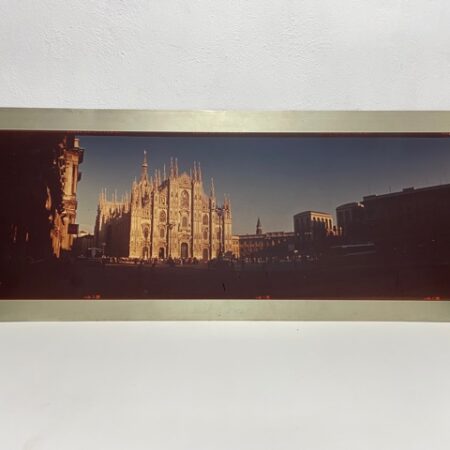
pixel 268 177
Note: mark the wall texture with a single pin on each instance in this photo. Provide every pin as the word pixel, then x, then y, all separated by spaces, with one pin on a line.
pixel 225 385
pixel 253 54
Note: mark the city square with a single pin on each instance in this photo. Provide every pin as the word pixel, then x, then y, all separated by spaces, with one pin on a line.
pixel 166 235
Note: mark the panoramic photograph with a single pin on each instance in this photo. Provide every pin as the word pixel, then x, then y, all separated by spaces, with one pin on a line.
pixel 224 217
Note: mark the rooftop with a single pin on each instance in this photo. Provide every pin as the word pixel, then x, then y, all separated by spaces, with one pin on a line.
pixel 350 205
pixel 319 213
pixel 408 191
pixel 269 234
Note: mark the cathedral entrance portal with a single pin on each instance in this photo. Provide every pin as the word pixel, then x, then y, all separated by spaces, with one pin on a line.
pixel 205 254
pixel 184 250
pixel 161 253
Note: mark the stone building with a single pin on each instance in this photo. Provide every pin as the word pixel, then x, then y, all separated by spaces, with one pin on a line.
pixel 84 244
pixel 412 221
pixel 313 231
pixel 235 246
pixel 313 225
pixel 350 222
pixel 165 216
pixel 38 183
pixel 274 244
pixel 65 229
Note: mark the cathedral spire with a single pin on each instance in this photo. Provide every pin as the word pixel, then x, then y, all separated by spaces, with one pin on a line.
pixel 199 172
pixel 226 202
pixel 258 226
pixel 164 172
pixel 176 167
pixel 213 191
pixel 144 174
pixel 171 168
pixel 195 170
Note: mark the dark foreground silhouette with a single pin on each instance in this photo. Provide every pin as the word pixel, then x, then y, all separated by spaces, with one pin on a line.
pixel 86 279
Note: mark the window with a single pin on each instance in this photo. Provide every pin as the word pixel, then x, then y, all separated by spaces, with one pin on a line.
pixel 205 234
pixel 74 179
pixel 205 219
pixel 184 222
pixel 185 199
pixel 162 217
pixel 162 233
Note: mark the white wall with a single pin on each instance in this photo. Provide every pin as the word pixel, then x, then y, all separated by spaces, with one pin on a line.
pixel 310 54
pixel 225 385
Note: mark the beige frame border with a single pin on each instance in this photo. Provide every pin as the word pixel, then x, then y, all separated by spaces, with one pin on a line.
pixel 226 122
pixel 261 122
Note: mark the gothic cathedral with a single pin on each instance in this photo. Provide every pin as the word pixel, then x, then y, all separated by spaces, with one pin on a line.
pixel 165 217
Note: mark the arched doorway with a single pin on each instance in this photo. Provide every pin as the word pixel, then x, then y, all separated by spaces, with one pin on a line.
pixel 205 254
pixel 184 250
pixel 145 253
pixel 161 253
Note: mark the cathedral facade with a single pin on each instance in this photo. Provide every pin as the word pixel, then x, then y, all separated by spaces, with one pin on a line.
pixel 165 216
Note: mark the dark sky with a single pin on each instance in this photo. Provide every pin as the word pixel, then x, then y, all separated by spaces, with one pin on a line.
pixel 267 177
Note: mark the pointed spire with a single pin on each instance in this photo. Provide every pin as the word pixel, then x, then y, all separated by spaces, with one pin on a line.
pixel 195 170
pixel 258 227
pixel 213 191
pixel 144 174
pixel 176 167
pixel 164 172
pixel 199 172
pixel 171 168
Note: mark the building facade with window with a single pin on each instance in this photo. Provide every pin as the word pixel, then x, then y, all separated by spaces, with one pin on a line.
pixel 313 225
pixel 351 222
pixel 314 231
pixel 414 221
pixel 165 216
pixel 272 244
pixel 40 174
